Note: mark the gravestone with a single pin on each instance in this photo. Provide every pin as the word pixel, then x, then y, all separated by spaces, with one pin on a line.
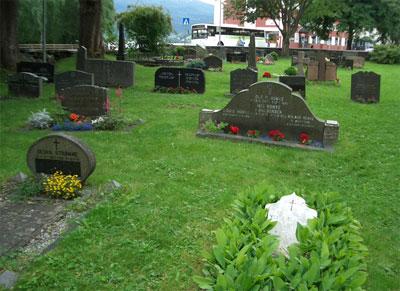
pixel 365 87
pixel 300 63
pixel 312 71
pixel 61 152
pixel 251 62
pixel 321 58
pixel 81 59
pixel 107 73
pixel 330 72
pixel 297 83
pixel 25 84
pixel 41 69
pixel 71 79
pixel 121 43
pixel 236 57
pixel 358 62
pixel 190 79
pixel 267 106
pixel 242 79
pixel 213 62
pixel 269 60
pixel 349 64
pixel 87 100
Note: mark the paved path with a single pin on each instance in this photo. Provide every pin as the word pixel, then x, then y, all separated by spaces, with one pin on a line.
pixel 21 221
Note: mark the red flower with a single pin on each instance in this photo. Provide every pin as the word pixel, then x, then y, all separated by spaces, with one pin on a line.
pixel 234 129
pixel 267 75
pixel 73 117
pixel 276 134
pixel 304 138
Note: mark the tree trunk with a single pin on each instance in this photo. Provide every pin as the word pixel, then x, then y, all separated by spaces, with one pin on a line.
pixel 285 45
pixel 350 39
pixel 90 35
pixel 8 33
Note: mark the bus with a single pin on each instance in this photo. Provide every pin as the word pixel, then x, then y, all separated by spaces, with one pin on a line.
pixel 231 35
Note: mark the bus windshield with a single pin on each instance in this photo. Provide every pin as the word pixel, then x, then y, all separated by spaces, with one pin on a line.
pixel 199 31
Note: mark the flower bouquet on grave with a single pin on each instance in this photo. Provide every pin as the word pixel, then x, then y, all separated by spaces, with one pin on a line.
pixel 267 75
pixel 253 133
pixel 304 138
pixel 234 129
pixel 276 135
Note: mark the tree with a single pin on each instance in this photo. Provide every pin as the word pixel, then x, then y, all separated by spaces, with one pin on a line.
pixel 286 14
pixel 148 27
pixel 90 29
pixel 353 16
pixel 386 14
pixel 8 33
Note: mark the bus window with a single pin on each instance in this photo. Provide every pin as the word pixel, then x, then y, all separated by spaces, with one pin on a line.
pixel 211 30
pixel 199 33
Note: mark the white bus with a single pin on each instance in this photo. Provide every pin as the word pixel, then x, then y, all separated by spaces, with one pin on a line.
pixel 231 35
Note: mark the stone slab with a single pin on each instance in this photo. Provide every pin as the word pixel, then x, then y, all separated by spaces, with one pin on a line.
pixel 297 83
pixel 213 62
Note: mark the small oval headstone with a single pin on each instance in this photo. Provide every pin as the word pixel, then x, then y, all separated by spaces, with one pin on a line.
pixel 61 152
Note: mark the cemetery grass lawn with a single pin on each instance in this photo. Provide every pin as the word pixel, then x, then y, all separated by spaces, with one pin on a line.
pixel 178 187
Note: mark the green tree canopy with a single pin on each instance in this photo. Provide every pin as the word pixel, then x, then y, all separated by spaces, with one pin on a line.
pixel 288 11
pixel 147 26
pixel 353 15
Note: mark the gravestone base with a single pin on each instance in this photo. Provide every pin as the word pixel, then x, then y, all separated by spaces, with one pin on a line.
pixel 241 138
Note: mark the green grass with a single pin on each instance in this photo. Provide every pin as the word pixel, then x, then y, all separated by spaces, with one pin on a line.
pixel 180 187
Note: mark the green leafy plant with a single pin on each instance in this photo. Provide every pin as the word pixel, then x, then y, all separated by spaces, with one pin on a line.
pixel 291 71
pixel 330 254
pixel 32 186
pixel 109 123
pixel 40 119
pixel 211 126
pixel 274 55
pixel 179 51
pixel 386 54
pixel 197 64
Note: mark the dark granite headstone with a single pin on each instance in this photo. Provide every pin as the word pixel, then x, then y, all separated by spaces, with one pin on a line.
pixel 121 43
pixel 25 84
pixel 242 79
pixel 87 100
pixel 297 83
pixel 236 57
pixel 365 87
pixel 72 78
pixel 190 79
pixel 41 69
pixel 107 73
pixel 269 106
pixel 213 62
pixel 61 152
pixel 81 59
pixel 251 63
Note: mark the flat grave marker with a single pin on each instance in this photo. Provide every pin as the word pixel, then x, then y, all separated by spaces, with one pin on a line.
pixel 269 106
pixel 189 79
pixel 25 84
pixel 61 152
pixel 365 87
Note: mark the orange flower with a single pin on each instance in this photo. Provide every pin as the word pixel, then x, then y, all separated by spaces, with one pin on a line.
pixel 73 117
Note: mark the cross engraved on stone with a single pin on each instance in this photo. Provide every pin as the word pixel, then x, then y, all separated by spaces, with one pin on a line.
pixel 291 206
pixel 56 143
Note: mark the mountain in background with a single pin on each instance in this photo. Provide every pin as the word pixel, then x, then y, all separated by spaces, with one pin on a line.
pixel 197 11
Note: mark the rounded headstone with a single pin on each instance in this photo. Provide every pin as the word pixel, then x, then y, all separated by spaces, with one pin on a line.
pixel 61 152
